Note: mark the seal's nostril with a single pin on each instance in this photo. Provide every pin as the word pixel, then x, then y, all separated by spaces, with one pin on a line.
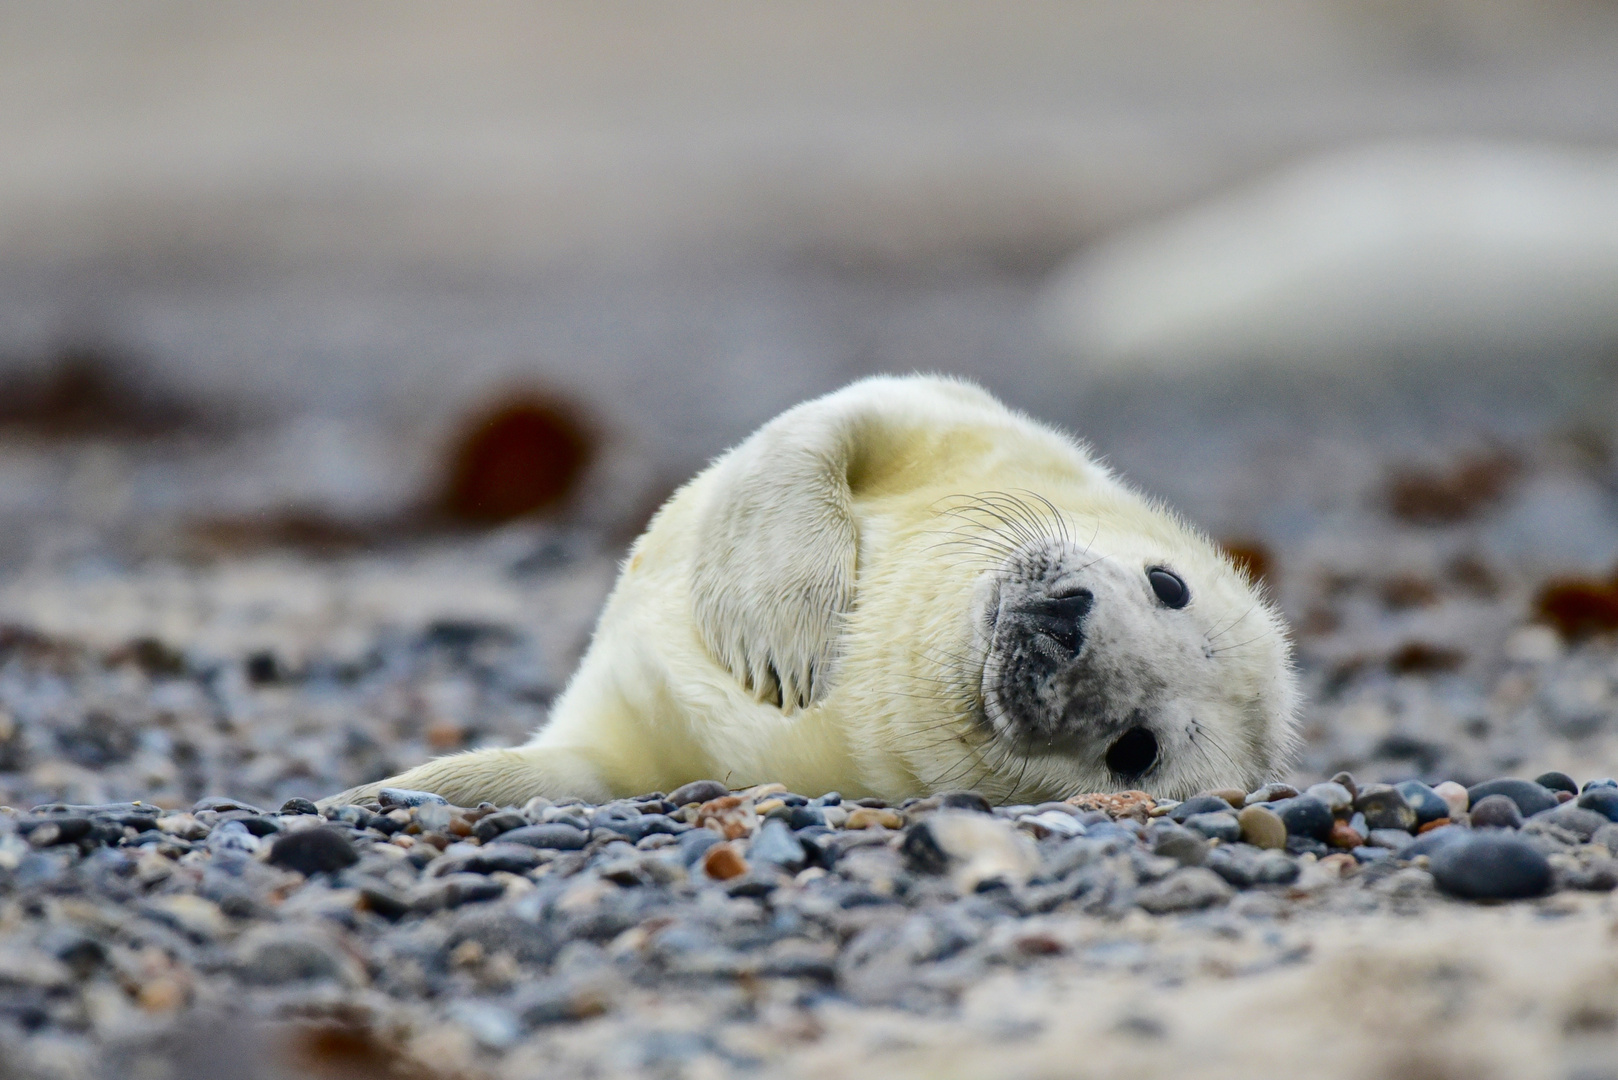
pixel 1133 755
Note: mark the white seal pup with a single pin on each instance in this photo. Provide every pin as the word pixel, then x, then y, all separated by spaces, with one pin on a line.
pixel 901 588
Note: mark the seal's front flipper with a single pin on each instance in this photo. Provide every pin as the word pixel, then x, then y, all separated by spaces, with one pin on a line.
pixel 774 567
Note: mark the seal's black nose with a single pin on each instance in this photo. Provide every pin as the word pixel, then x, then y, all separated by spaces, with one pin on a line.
pixel 1059 618
pixel 1133 754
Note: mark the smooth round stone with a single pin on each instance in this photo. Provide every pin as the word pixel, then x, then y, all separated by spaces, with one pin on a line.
pixel 1185 846
pixel 1347 780
pixel 695 844
pixel 1603 800
pixel 555 835
pixel 1496 812
pixel 1581 821
pixel 1271 793
pixel 315 850
pixel 1200 804
pixel 1530 798
pixel 965 800
pixel 494 824
pixel 698 791
pixel 295 806
pixel 1262 827
pixel 1395 840
pixel 1236 797
pixel 775 844
pixel 1337 798
pixel 1305 816
pixel 1222 826
pixel 1557 781
pixel 1429 843
pixel 1604 782
pixel 1306 845
pixel 1385 808
pixel 1363 855
pixel 1423 800
pixel 1454 796
pixel 1344 836
pixel 1491 866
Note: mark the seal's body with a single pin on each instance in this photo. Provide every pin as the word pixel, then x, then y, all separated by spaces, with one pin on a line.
pixel 900 588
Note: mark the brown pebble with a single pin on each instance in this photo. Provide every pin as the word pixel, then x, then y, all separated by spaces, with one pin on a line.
pixel 867 817
pixel 1563 796
pixel 1347 780
pixel 1116 804
pixel 732 816
pixel 1436 823
pixel 1344 836
pixel 724 862
pixel 1234 796
pixel 1262 827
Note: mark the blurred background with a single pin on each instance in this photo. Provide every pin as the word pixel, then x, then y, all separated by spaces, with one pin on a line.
pixel 344 347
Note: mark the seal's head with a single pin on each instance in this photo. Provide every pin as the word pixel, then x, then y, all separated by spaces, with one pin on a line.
pixel 1133 658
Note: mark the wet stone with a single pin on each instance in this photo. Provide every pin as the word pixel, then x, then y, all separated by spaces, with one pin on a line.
pixel 1496 812
pixel 1491 866
pixel 1530 797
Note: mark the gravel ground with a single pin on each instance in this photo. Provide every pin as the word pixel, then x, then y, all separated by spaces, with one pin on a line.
pixel 780 933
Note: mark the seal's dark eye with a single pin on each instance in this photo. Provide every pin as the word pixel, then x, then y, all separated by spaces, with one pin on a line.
pixel 1134 754
pixel 1168 587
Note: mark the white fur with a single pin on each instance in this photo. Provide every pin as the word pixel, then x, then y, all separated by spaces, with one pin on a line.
pixel 836 562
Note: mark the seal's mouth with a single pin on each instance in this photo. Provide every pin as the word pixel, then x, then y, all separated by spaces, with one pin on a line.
pixel 1132 754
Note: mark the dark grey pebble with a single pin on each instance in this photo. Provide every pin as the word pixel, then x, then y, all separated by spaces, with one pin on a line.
pixel 1220 826
pixel 1385 808
pixel 1202 804
pixel 698 791
pixel 1180 843
pixel 805 817
pixel 775 844
pixel 556 835
pixel 320 849
pixel 1495 812
pixel 1602 800
pixel 1530 797
pixel 1395 840
pixel 1491 866
pixel 493 825
pixel 1557 781
pixel 1245 866
pixel 1305 815
pixel 453 890
pixel 391 797
pixel 499 857
pixel 59 829
pixel 220 803
pixel 1580 821
pixel 1307 845
pixel 831 798
pixel 695 844
pixel 299 806
pixel 1429 843
pixel 1427 803
pixel 922 851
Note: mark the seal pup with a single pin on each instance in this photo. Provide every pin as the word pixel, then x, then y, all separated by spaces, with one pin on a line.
pixel 900 588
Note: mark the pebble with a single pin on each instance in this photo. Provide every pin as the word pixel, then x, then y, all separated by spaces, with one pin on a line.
pixel 1454 796
pixel 322 849
pixel 1305 816
pixel 973 849
pixel 1201 804
pixel 873 818
pixel 1491 866
pixel 1271 793
pixel 723 862
pixel 555 836
pixel 1426 802
pixel 1186 889
pixel 1603 782
pixel 404 797
pixel 1602 800
pixel 1557 781
pixel 1185 846
pixel 1385 808
pixel 1343 835
pixel 1496 812
pixel 1262 827
pixel 698 791
pixel 1222 826
pixel 1529 796
pixel 1337 798
pixel 774 844
pixel 1347 781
